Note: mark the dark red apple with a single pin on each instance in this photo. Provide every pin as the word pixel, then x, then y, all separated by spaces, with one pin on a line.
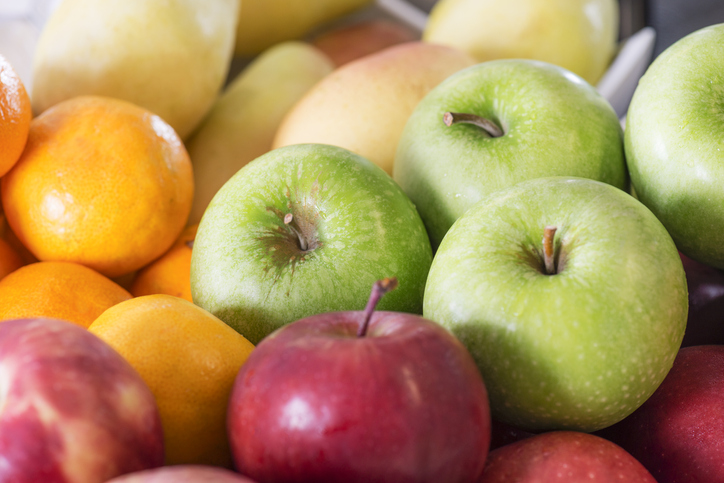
pixel 183 474
pixel 678 433
pixel 71 408
pixel 566 457
pixel 705 322
pixel 331 399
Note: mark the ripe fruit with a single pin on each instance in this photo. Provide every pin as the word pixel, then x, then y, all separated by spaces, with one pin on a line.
pixel 61 290
pixel 189 359
pixel 101 182
pixel 15 116
pixel 171 273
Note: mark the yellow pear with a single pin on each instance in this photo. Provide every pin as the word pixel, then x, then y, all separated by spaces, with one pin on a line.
pixel 579 35
pixel 241 125
pixel 363 105
pixel 263 23
pixel 170 57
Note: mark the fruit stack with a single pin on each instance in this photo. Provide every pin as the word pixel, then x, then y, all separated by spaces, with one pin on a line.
pixel 374 253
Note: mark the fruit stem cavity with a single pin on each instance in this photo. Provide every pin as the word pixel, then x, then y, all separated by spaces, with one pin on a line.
pixel 549 251
pixel 303 245
pixel 450 118
pixel 379 288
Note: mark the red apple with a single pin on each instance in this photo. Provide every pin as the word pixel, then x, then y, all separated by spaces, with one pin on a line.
pixel 563 456
pixel 678 433
pixel 705 322
pixel 351 42
pixel 71 408
pixel 183 474
pixel 359 397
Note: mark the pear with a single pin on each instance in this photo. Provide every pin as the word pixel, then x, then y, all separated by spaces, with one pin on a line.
pixel 263 23
pixel 241 125
pixel 170 57
pixel 578 35
pixel 363 105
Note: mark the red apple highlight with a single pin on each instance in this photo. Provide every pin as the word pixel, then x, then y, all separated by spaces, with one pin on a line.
pixel 71 408
pixel 183 474
pixel 331 399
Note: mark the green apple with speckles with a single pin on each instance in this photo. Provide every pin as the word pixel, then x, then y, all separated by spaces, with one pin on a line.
pixel 675 143
pixel 303 230
pixel 549 122
pixel 569 294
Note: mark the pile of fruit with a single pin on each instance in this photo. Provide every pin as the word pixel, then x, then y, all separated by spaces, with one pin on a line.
pixel 374 255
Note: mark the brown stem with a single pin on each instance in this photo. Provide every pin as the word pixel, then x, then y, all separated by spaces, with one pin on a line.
pixel 288 218
pixel 548 250
pixel 379 288
pixel 450 118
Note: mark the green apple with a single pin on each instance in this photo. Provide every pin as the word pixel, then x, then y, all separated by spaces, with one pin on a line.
pixel 553 123
pixel 241 124
pixel 571 297
pixel 303 230
pixel 579 35
pixel 675 143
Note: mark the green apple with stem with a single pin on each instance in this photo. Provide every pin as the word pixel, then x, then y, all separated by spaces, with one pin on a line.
pixel 498 123
pixel 571 297
pixel 303 230
pixel 674 143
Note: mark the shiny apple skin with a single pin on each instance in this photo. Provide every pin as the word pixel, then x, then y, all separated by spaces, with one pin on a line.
pixel 565 457
pixel 183 474
pixel 678 433
pixel 405 403
pixel 72 410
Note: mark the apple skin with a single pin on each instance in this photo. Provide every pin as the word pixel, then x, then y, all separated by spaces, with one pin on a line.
pixel 580 349
pixel 705 322
pixel 183 474
pixel 71 408
pixel 675 144
pixel 350 42
pixel 678 433
pixel 405 403
pixel 563 456
pixel 248 269
pixel 555 124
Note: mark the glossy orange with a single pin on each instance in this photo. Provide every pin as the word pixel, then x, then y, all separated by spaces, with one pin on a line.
pixel 102 182
pixel 62 290
pixel 15 116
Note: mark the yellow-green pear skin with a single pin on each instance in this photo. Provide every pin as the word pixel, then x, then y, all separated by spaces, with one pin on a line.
pixel 579 35
pixel 170 57
pixel 363 106
pixel 241 125
pixel 263 23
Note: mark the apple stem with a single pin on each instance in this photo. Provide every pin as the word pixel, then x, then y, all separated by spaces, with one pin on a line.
pixel 450 118
pixel 548 249
pixel 379 288
pixel 302 241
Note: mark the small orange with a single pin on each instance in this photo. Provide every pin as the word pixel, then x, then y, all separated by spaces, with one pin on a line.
pixel 170 274
pixel 101 182
pixel 61 290
pixel 189 359
pixel 15 116
pixel 9 259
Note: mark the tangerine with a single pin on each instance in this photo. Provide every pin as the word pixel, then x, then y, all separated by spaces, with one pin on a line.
pixel 15 116
pixel 102 182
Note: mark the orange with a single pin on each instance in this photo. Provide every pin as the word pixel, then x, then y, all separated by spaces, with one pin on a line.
pixel 15 116
pixel 9 259
pixel 189 359
pixel 171 273
pixel 61 290
pixel 101 182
